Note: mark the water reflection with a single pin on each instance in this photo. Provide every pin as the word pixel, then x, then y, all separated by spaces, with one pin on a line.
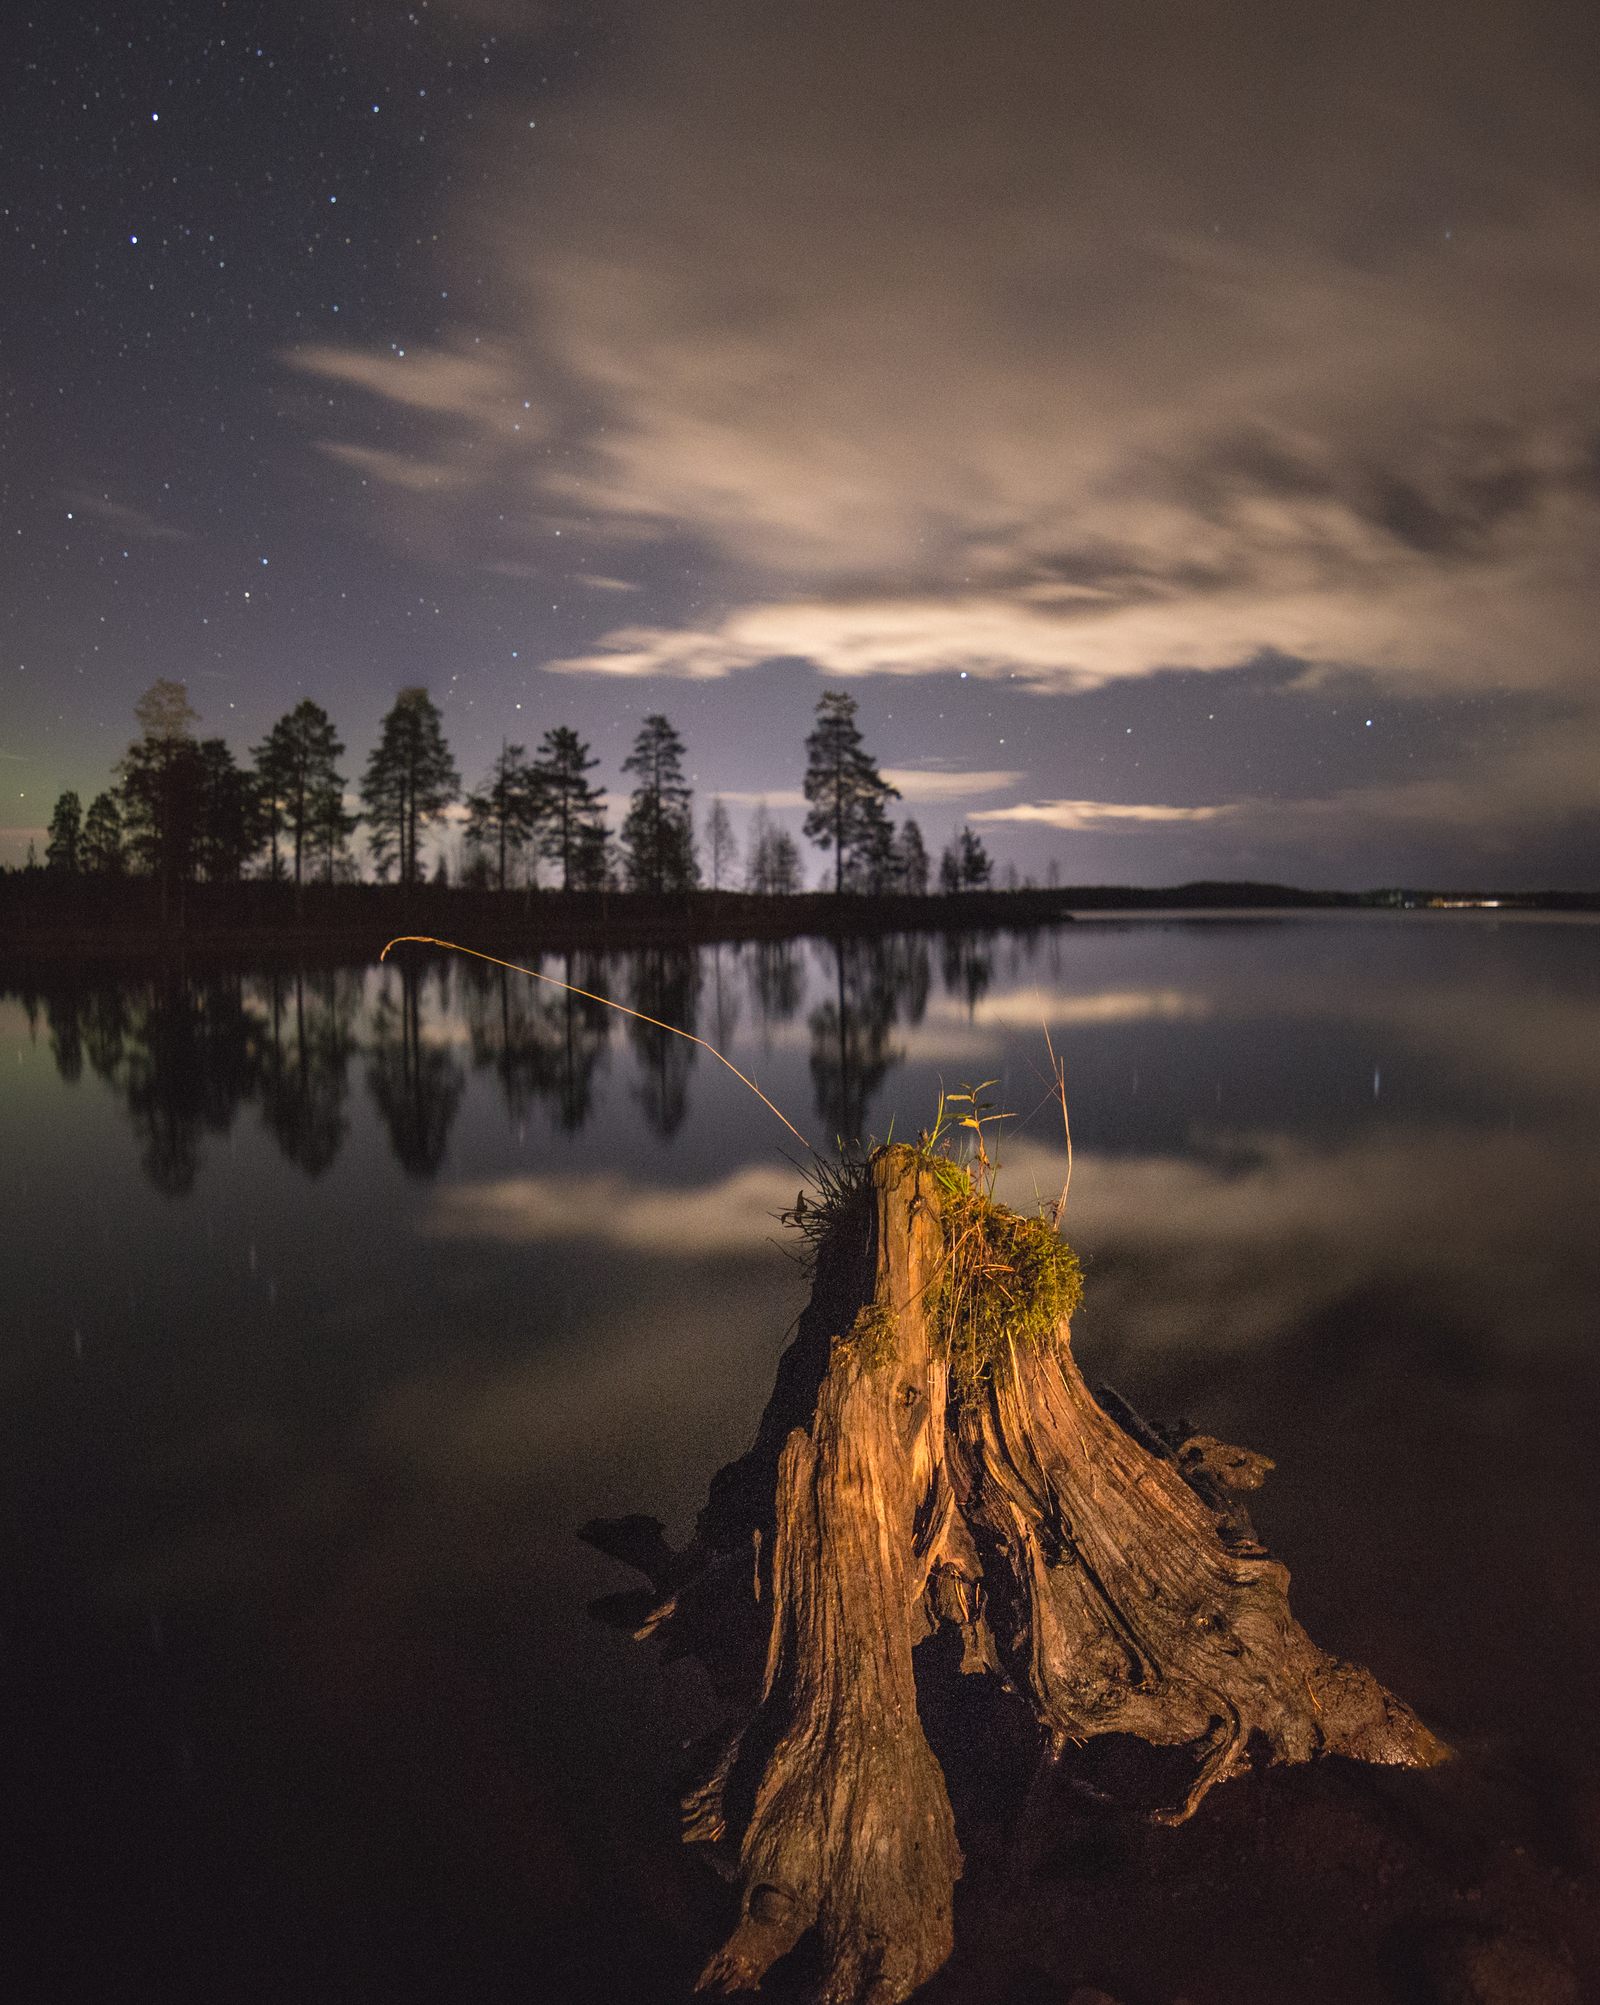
pixel 876 983
pixel 416 1084
pixel 777 973
pixel 306 1061
pixel 967 964
pixel 541 1042
pixel 664 983
pixel 181 1052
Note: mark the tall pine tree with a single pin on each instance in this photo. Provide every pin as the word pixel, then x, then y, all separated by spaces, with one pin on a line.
pixel 410 780
pixel 844 789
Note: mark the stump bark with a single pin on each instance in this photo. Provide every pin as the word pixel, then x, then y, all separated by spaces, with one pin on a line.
pixel 902 1479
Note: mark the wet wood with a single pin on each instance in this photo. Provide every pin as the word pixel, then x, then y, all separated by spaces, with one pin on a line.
pixel 1110 1579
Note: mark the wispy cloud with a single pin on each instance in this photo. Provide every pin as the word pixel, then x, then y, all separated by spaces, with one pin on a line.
pixel 395 469
pixel 137 524
pixel 916 783
pixel 1088 816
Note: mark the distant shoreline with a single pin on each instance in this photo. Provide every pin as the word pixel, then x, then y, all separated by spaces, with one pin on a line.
pixel 83 919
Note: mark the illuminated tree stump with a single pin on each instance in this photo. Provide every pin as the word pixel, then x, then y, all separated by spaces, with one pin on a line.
pixel 932 1455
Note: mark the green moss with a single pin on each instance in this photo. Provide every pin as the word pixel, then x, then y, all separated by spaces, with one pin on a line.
pixel 870 1338
pixel 1005 1280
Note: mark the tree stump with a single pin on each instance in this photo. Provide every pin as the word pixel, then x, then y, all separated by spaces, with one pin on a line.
pixel 931 1455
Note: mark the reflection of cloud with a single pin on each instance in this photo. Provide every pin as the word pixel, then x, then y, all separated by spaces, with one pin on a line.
pixel 728 1217
pixel 1091 815
pixel 1031 1007
pixel 1226 1256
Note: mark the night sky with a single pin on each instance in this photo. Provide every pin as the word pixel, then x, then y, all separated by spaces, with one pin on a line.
pixel 1178 425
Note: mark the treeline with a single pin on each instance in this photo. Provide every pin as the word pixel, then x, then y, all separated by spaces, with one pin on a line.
pixel 183 810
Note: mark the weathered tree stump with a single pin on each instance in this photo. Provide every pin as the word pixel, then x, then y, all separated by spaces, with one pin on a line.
pixel 931 1454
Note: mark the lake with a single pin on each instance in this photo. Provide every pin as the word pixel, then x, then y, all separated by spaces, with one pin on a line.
pixel 337 1302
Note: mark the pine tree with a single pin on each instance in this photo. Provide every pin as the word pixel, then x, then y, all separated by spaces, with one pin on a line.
pixel 410 780
pixel 913 860
pixel 161 786
pixel 295 771
pixel 719 838
pixel 570 812
pixel 658 835
pixel 965 865
pixel 64 851
pixel 227 831
pixel 773 866
pixel 845 790
pixel 102 836
pixel 503 813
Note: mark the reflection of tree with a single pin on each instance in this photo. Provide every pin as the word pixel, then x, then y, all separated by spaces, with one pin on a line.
pixel 850 1049
pixel 64 1012
pixel 415 1087
pixel 664 982
pixel 182 1053
pixel 777 980
pixel 305 1070
pixel 724 1001
pixel 968 966
pixel 542 1043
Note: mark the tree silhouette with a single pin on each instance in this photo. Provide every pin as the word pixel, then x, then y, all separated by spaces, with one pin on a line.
pixel 657 835
pixel 542 1044
pixel 851 1051
pixel 845 790
pixel 162 785
pixel 181 1052
pixel 410 780
pixel 305 1073
pixel 416 1087
pixel 664 983
pixel 912 859
pixel 64 851
pixel 568 810
pixel 295 768
pixel 965 865
pixel 227 827
pixel 777 981
pixel 502 813
pixel 719 840
pixel 772 867
pixel 102 836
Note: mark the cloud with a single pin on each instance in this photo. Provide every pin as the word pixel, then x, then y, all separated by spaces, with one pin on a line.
pixel 395 469
pixel 916 784
pixel 729 1217
pixel 476 379
pixel 129 522
pixel 1089 816
pixel 1091 383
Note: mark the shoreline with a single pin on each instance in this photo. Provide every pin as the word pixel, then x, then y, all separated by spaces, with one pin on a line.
pixel 84 920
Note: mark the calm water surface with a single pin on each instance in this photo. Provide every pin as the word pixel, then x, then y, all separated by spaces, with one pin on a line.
pixel 334 1304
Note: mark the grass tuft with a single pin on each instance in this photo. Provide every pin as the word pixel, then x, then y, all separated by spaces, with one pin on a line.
pixel 1004 1280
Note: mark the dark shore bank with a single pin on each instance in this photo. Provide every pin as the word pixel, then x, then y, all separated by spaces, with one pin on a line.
pixel 45 919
